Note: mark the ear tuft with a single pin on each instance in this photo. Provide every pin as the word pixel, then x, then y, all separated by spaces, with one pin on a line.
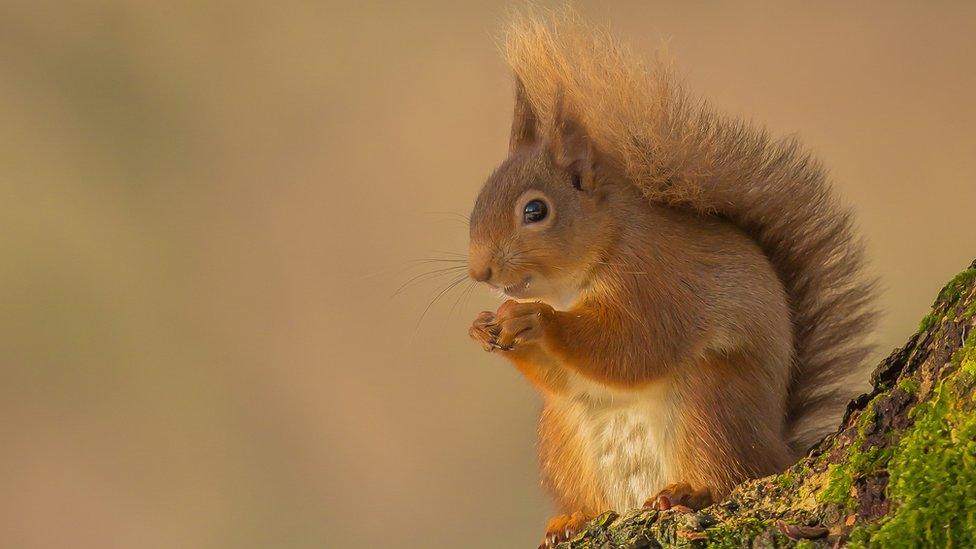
pixel 525 123
pixel 570 147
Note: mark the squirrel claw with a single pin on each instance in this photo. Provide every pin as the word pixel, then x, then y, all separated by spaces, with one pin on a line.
pixel 562 528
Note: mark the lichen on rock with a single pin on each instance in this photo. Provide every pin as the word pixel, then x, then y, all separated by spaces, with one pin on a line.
pixel 900 471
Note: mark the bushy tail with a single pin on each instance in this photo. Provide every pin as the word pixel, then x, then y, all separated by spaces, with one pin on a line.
pixel 680 152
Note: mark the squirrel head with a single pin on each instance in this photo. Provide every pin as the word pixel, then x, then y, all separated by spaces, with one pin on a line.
pixel 547 215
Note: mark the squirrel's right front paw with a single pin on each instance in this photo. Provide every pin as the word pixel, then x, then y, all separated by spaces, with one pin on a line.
pixel 513 325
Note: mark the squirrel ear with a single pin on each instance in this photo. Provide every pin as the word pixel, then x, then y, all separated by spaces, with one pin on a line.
pixel 524 121
pixel 571 148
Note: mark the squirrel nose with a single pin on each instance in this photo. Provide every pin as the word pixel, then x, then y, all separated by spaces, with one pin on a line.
pixel 480 274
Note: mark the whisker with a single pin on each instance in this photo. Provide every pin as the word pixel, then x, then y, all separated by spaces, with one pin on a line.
pixel 465 256
pixel 465 292
pixel 467 298
pixel 430 275
pixel 410 263
pixel 449 287
pixel 457 216
pixel 438 260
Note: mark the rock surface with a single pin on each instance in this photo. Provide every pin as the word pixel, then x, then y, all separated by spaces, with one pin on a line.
pixel 900 471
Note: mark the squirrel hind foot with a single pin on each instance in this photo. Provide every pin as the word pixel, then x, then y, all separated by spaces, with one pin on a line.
pixel 563 528
pixel 680 497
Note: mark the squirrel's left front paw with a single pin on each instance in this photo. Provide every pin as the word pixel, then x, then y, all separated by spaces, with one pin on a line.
pixel 484 330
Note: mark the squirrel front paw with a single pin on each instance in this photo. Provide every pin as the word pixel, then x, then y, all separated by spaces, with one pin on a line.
pixel 484 330
pixel 514 324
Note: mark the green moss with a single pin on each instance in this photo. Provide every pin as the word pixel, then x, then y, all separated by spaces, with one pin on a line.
pixel 860 536
pixel 856 462
pixel 967 355
pixel 838 489
pixel 933 472
pixel 785 481
pixel 868 416
pixel 970 311
pixel 950 294
pixel 737 532
pixel 908 385
pixel 927 322
pixel 957 286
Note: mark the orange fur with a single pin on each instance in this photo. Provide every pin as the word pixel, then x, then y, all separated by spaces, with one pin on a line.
pixel 680 152
pixel 690 305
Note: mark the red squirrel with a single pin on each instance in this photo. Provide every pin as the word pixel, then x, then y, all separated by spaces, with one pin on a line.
pixel 685 291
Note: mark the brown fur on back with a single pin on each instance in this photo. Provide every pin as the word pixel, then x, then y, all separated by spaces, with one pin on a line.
pixel 679 152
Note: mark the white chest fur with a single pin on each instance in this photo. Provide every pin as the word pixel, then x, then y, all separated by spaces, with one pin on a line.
pixel 627 436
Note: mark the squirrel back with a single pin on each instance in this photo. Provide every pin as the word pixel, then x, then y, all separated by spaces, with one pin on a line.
pixel 678 152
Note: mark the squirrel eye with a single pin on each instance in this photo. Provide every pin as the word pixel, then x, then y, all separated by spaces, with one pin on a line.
pixel 535 211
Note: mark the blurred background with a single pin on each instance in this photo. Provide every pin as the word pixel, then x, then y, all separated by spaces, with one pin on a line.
pixel 207 207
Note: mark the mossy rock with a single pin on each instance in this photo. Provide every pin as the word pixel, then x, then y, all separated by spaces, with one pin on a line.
pixel 900 471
